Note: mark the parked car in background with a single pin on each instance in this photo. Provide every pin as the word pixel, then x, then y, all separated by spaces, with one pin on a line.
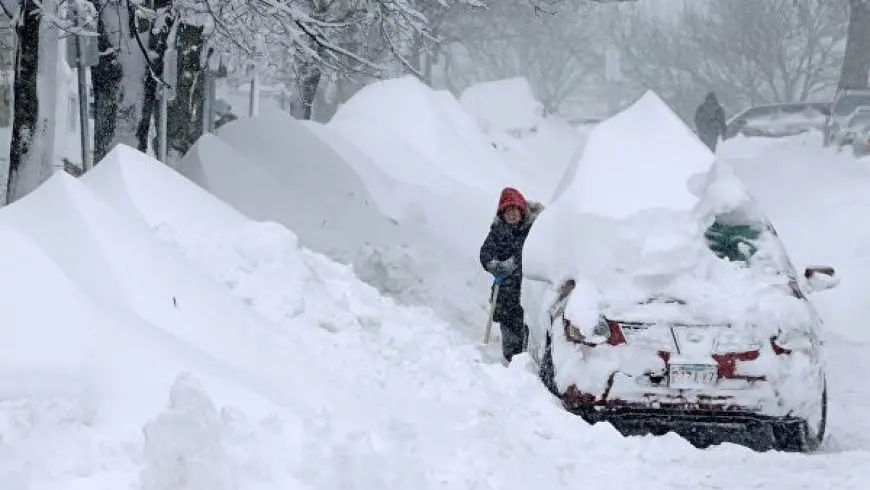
pixel 778 120
pixel 861 143
pixel 854 124
pixel 845 102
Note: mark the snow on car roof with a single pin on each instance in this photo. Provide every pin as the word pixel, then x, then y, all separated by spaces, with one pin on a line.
pixel 647 212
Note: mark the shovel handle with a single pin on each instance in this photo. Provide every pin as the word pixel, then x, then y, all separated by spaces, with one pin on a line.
pixel 492 301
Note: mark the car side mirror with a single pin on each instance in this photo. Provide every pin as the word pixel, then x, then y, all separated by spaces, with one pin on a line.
pixel 820 278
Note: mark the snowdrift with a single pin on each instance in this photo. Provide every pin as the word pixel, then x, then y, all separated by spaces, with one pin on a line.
pixel 614 181
pixel 331 211
pixel 280 149
pixel 180 298
pixel 538 147
pixel 503 106
pixel 816 198
pixel 434 125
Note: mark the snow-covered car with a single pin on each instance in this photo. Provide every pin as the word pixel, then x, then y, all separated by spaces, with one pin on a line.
pixel 845 102
pixel 729 351
pixel 861 143
pixel 664 300
pixel 778 120
pixel 857 121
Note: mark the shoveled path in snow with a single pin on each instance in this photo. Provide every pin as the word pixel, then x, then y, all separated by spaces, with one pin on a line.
pixel 818 200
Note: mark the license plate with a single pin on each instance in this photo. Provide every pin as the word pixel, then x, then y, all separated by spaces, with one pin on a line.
pixel 692 376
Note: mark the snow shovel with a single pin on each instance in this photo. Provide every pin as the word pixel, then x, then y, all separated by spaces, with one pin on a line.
pixel 492 302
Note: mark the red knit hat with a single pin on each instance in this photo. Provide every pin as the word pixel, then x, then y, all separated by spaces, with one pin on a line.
pixel 512 197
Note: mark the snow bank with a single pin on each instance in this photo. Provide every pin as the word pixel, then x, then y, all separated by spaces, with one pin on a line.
pixel 290 155
pixel 396 199
pixel 273 367
pixel 614 180
pixel 405 260
pixel 645 153
pixel 538 148
pixel 545 157
pixel 815 197
pixel 507 105
pixel 405 111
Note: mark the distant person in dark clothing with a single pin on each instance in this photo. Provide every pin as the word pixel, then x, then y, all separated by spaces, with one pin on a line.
pixel 710 121
pixel 502 256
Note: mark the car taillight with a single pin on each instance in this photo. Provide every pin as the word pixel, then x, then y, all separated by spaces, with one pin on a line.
pixel 785 343
pixel 605 332
pixel 777 349
pixel 728 364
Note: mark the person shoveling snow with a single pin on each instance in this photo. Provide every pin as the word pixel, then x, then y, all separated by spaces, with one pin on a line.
pixel 501 255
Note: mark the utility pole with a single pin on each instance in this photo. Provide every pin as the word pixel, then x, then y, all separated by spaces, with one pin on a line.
pixel 81 54
pixel 208 101
pixel 85 126
pixel 254 102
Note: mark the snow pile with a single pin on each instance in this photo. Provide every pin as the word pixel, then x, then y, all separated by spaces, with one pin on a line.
pixel 183 444
pixel 404 111
pixel 276 147
pixel 539 148
pixel 503 106
pixel 398 200
pixel 244 325
pixel 614 180
pixel 645 153
pixel 307 178
pixel 815 197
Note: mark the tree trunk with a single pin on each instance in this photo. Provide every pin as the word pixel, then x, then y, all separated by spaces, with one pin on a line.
pixel 134 67
pixel 856 61
pixel 106 81
pixel 25 122
pixel 156 44
pixel 185 112
pixel 310 74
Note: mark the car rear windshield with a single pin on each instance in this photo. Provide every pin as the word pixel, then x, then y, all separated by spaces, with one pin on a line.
pixel 735 242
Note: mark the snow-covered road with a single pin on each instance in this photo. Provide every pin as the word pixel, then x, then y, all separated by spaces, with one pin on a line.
pixel 818 200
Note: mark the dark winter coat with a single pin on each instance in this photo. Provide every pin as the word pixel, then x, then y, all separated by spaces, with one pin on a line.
pixel 710 121
pixel 503 242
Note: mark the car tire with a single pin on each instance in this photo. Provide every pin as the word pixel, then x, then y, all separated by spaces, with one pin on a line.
pixel 814 440
pixel 547 372
pixel 800 437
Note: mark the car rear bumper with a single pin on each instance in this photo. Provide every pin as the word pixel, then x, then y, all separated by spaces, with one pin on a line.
pixel 702 419
pixel 703 427
pixel 728 395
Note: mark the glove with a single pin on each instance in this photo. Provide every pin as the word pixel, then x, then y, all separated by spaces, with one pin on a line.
pixel 502 268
